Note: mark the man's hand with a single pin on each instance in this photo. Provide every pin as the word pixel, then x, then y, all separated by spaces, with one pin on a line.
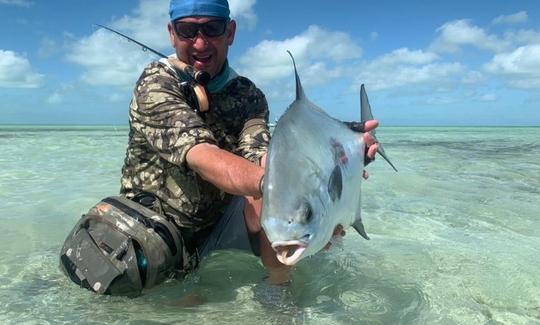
pixel 338 232
pixel 370 142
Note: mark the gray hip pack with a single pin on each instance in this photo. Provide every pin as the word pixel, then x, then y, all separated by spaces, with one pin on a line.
pixel 121 247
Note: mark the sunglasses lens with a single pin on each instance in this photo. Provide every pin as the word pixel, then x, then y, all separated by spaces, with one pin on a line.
pixel 214 28
pixel 186 30
pixel 211 28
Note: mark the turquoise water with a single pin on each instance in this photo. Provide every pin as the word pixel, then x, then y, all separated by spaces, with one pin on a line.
pixel 455 238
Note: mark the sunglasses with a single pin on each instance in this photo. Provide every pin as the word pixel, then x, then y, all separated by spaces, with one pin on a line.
pixel 212 28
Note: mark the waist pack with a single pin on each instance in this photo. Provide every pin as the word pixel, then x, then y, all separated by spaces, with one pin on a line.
pixel 121 247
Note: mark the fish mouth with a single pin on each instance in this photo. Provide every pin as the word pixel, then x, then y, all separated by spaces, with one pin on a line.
pixel 289 252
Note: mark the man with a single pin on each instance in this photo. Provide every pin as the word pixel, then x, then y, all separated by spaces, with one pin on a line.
pixel 199 167
pixel 194 162
pixel 191 162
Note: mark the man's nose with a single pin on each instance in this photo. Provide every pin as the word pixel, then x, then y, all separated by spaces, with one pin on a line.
pixel 200 41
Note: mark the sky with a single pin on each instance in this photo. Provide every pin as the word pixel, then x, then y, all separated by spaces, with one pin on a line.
pixel 422 62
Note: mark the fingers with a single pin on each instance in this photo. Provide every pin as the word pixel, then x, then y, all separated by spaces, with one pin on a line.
pixel 370 144
pixel 370 125
pixel 362 127
pixel 368 139
pixel 338 231
pixel 372 150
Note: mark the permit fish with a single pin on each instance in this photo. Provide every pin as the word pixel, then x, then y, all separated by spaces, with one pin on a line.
pixel 313 178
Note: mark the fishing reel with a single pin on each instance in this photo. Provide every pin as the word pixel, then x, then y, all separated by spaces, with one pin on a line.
pixel 196 82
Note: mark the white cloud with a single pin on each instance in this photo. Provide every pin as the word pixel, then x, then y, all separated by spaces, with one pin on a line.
pixel 147 24
pixel 473 77
pixel 524 61
pixel 118 98
pixel 523 37
pixel 488 98
pixel 60 94
pixel 517 18
pixel 403 67
pixel 439 99
pixel 521 67
pixel 400 76
pixel 18 3
pixel 406 56
pixel 314 50
pixel 55 98
pixel 457 33
pixel 525 83
pixel 242 10
pixel 108 60
pixel 517 52
pixel 16 72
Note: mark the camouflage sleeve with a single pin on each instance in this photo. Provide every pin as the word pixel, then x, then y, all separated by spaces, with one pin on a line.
pixel 255 136
pixel 163 114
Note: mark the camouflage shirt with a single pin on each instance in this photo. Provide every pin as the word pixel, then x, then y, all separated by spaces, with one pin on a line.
pixel 164 126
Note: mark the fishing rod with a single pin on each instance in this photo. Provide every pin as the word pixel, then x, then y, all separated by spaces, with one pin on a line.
pixel 200 77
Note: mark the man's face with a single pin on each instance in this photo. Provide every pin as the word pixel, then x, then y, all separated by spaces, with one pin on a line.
pixel 203 52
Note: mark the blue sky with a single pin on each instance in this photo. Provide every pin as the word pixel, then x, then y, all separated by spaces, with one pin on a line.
pixel 423 62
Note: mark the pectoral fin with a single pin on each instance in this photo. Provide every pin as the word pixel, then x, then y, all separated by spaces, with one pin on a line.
pixel 359 227
pixel 335 184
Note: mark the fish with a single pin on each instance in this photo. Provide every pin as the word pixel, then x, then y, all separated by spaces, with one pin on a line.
pixel 313 177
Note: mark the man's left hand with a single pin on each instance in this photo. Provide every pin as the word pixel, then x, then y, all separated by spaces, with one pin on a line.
pixel 338 232
pixel 369 140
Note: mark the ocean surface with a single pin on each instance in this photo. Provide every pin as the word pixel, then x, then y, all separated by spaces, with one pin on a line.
pixel 455 238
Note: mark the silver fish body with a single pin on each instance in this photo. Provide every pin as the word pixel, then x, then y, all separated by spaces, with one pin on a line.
pixel 312 181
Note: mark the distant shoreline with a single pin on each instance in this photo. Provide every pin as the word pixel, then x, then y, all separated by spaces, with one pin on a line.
pixel 385 126
pixel 125 126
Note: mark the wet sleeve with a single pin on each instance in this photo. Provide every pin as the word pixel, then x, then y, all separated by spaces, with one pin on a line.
pixel 163 114
pixel 255 136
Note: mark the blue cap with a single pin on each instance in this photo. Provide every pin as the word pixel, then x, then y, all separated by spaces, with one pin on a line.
pixel 190 8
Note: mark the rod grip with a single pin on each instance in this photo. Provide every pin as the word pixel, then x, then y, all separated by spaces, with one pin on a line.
pixel 201 77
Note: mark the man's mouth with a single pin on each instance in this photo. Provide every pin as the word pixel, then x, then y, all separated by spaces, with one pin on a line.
pixel 289 252
pixel 202 58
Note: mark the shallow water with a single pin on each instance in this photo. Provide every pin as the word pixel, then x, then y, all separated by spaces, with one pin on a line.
pixel 455 238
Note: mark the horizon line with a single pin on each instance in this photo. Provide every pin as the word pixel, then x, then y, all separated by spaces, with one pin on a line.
pixel 395 125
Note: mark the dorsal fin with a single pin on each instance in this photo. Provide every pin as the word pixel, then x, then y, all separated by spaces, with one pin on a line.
pixel 299 90
pixel 365 108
